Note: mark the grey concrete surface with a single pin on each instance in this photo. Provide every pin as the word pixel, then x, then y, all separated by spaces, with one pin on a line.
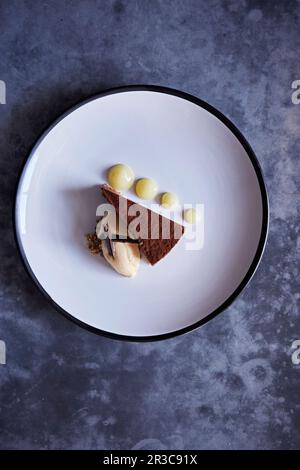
pixel 231 384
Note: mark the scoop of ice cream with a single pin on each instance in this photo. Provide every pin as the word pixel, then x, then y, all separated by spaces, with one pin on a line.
pixel 123 256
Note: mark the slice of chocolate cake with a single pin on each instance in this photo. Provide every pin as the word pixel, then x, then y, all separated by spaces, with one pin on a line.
pixel 157 235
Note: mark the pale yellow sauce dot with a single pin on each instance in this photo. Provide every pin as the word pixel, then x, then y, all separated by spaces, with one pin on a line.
pixel 120 176
pixel 169 200
pixel 146 188
pixel 190 216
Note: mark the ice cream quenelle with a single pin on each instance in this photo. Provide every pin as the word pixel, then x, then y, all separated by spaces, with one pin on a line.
pixel 121 254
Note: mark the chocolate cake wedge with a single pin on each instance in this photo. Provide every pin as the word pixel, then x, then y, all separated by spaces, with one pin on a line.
pixel 159 235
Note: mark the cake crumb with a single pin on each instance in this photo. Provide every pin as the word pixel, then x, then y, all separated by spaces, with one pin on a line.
pixel 93 243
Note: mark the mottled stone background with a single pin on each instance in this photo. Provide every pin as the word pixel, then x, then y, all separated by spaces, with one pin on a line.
pixel 230 385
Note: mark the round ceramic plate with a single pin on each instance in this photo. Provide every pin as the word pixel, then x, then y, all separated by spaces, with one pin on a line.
pixel 188 147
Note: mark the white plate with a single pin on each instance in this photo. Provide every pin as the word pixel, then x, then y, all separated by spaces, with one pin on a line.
pixel 189 148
